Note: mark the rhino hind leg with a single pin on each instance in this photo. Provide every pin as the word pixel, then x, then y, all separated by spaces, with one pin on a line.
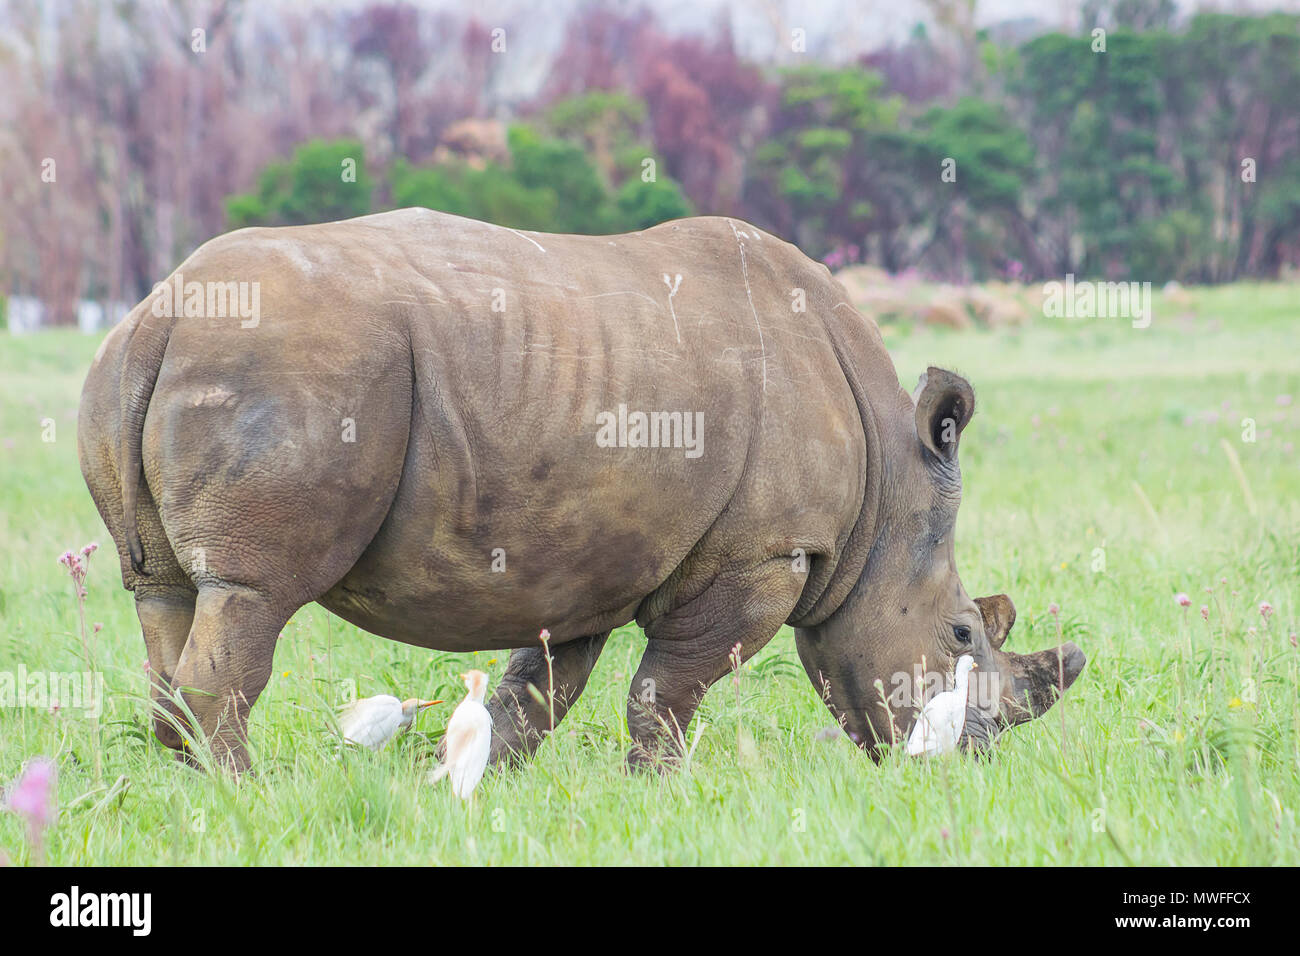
pixel 689 649
pixel 519 720
pixel 225 665
pixel 166 615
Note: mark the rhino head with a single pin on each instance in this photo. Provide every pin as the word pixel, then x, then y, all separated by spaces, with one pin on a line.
pixel 895 639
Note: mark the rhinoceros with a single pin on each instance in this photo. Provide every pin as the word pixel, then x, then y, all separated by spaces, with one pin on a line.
pixel 453 434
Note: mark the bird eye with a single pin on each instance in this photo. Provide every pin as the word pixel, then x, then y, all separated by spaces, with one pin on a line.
pixel 962 633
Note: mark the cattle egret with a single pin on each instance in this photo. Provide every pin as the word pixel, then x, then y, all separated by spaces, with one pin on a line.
pixel 468 739
pixel 939 726
pixel 374 721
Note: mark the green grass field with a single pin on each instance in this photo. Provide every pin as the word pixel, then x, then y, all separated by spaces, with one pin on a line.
pixel 1096 477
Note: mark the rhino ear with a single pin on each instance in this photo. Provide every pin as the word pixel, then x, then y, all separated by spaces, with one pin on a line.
pixel 945 403
pixel 999 615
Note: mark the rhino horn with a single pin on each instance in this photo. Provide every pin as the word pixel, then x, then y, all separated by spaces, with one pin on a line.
pixel 1037 680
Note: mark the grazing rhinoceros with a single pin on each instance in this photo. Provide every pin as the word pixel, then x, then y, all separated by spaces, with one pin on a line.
pixel 451 434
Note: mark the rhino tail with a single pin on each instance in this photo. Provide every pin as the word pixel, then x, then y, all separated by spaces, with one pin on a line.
pixel 140 367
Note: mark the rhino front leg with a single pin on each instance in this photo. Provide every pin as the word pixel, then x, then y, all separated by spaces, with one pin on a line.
pixel 689 649
pixel 519 720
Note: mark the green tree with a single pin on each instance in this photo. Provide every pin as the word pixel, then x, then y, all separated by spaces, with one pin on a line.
pixel 1243 106
pixel 962 173
pixel 562 169
pixel 1170 154
pixel 549 186
pixel 608 125
pixel 491 194
pixel 807 177
pixel 321 182
pixel 643 204
pixel 1107 127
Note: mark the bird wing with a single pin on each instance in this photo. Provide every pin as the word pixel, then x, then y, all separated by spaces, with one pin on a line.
pixel 958 721
pixel 371 722
pixel 948 720
pixel 459 739
pixel 939 726
pixel 363 703
pixel 469 742
pixel 922 738
pixel 348 712
pixel 351 716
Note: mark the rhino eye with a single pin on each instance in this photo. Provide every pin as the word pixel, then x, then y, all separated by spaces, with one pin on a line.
pixel 962 633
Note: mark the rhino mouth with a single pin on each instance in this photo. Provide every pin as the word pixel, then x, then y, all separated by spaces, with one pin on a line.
pixel 979 732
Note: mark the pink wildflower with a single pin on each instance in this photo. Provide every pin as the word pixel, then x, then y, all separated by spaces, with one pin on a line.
pixel 32 797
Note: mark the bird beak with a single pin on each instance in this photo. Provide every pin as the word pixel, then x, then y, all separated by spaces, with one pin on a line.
pixel 428 703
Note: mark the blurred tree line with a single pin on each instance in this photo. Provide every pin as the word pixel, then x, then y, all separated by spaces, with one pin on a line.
pixel 1153 151
pixel 532 181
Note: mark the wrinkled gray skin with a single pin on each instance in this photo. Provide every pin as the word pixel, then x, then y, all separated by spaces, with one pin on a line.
pixel 471 362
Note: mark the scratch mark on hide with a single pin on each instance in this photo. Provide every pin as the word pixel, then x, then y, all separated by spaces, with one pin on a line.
pixel 522 236
pixel 601 295
pixel 672 291
pixel 744 269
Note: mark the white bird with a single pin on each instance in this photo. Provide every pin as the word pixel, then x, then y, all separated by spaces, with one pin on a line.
pixel 374 721
pixel 468 739
pixel 939 726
